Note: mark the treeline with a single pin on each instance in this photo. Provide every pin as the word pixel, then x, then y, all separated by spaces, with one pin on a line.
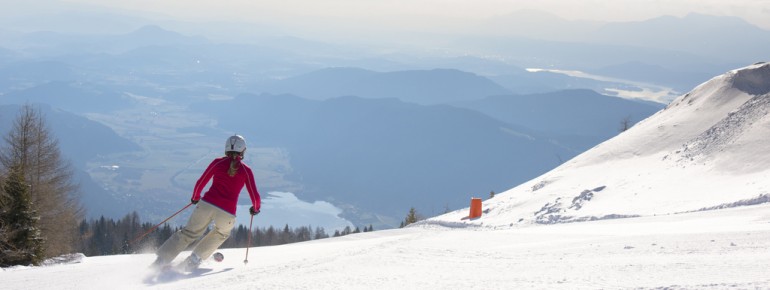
pixel 104 236
pixel 124 236
pixel 41 216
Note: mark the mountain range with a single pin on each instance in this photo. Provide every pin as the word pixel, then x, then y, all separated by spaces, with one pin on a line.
pixel 577 119
pixel 488 108
pixel 385 155
pixel 369 140
pixel 705 151
pixel 435 86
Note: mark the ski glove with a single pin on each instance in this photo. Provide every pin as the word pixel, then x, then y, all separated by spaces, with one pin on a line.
pixel 253 211
pixel 194 201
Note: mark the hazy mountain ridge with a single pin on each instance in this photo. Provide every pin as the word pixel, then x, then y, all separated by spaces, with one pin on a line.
pixel 70 96
pixel 57 43
pixel 384 155
pixel 692 33
pixel 419 86
pixel 582 114
pixel 695 33
pixel 79 137
pixel 674 51
pixel 716 134
pixel 639 46
pixel 292 131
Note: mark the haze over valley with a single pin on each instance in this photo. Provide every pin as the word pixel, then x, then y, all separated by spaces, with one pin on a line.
pixel 359 130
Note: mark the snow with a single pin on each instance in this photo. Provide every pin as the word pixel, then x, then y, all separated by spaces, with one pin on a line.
pixel 705 150
pixel 720 249
pixel 679 201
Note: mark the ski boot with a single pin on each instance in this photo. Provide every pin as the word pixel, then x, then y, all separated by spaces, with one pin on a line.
pixel 159 264
pixel 192 262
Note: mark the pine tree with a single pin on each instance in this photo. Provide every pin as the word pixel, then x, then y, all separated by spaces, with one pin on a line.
pixel 270 237
pixel 5 201
pixel 23 244
pixel 320 233
pixel 285 236
pixel 34 152
pixel 411 217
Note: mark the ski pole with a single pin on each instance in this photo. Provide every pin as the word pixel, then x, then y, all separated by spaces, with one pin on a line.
pixel 248 242
pixel 156 226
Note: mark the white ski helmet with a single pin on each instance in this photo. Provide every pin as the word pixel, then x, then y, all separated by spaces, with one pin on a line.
pixel 235 143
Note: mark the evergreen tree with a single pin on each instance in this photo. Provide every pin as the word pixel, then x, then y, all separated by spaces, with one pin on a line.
pixel 411 217
pixel 320 233
pixel 258 238
pixel 285 236
pixel 271 237
pixel 105 236
pixel 302 234
pixel 4 229
pixel 34 152
pixel 23 244
pixel 346 231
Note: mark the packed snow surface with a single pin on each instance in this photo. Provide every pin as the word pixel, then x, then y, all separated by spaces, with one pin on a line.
pixel 679 201
pixel 720 249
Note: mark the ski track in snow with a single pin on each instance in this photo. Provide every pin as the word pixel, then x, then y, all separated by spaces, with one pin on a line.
pixel 715 249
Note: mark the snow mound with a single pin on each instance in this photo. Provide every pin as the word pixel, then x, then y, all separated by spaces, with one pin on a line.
pixel 65 259
pixel 753 80
pixel 730 129
pixel 706 150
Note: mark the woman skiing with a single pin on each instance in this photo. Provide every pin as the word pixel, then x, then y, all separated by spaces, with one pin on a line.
pixel 230 175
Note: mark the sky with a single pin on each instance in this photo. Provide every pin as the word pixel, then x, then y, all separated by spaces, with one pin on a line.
pixel 412 13
pixel 396 11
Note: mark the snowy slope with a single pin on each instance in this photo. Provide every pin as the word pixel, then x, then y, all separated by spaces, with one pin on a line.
pixel 713 249
pixel 693 177
pixel 707 149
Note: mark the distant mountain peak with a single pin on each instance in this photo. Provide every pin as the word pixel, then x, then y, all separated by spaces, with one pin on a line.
pixel 153 30
pixel 156 35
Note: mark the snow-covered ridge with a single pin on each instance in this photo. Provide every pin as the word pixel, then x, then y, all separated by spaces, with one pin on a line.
pixel 706 150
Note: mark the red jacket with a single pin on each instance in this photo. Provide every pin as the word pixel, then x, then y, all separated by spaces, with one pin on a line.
pixel 224 191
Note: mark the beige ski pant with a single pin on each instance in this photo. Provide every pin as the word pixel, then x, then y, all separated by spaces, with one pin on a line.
pixel 200 219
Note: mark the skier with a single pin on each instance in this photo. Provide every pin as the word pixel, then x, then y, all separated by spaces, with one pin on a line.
pixel 230 175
